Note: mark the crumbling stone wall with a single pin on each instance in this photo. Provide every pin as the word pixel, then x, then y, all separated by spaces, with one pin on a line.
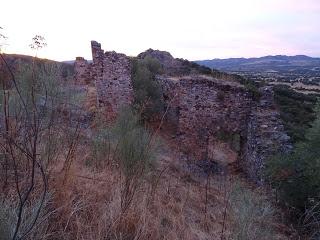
pixel 112 74
pixel 205 109
pixel 202 110
pixel 83 71
pixel 265 135
pixel 209 108
pixel 170 88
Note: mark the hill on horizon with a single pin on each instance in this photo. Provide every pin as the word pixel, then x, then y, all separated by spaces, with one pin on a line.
pixel 263 64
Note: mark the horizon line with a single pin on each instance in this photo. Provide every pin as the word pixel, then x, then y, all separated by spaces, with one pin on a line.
pixel 218 58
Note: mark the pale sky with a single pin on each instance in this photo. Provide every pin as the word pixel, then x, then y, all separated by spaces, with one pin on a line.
pixel 191 29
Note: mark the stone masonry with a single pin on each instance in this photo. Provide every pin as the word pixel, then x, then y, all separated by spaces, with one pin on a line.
pixel 202 109
pixel 83 71
pixel 265 135
pixel 112 74
pixel 209 108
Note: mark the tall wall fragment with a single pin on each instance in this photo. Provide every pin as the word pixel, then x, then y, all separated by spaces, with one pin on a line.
pixel 112 74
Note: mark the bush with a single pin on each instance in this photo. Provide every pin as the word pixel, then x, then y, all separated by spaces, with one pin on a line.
pixel 32 140
pixel 296 111
pixel 131 146
pixel 296 176
pixel 233 139
pixel 134 154
pixel 147 92
pixel 135 149
pixel 251 86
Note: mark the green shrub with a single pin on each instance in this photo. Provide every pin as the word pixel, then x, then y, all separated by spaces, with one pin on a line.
pixel 135 148
pixel 131 147
pixel 233 139
pixel 296 176
pixel 252 86
pixel 296 111
pixel 220 96
pixel 127 141
pixel 135 152
pixel 147 92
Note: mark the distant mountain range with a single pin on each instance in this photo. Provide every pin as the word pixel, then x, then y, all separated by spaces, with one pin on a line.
pixel 264 64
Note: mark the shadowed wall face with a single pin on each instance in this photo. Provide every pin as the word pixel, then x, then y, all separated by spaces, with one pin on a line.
pixel 220 121
pixel 207 112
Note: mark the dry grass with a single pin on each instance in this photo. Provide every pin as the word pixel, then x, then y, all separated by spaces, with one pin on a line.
pixel 168 205
pixel 172 203
pixel 252 214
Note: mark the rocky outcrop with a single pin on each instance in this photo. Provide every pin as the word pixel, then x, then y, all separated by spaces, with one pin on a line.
pixel 172 66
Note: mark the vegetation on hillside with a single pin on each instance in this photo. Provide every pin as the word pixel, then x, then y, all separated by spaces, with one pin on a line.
pixel 296 176
pixel 147 92
pixel 15 62
pixel 33 137
pixel 296 111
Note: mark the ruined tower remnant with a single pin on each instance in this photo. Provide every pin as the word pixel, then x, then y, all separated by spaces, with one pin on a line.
pixel 83 73
pixel 112 75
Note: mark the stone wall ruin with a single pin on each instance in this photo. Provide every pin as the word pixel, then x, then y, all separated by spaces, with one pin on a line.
pixel 110 72
pixel 204 109
pixel 83 71
pixel 265 135
pixel 213 119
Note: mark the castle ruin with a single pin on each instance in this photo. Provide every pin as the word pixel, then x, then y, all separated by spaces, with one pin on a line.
pixel 111 74
pixel 205 112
